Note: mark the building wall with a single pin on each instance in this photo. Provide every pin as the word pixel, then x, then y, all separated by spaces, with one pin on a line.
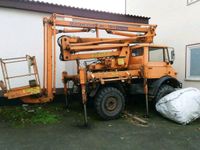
pixel 22 33
pixel 178 26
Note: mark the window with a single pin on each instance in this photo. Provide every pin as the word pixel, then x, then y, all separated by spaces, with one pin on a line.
pixel 189 2
pixel 192 62
pixel 137 52
pixel 156 54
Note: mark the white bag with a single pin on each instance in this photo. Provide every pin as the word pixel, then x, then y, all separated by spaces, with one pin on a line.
pixel 181 106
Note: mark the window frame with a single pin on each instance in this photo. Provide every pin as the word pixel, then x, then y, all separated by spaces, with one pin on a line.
pixel 163 51
pixel 141 50
pixel 190 3
pixel 188 77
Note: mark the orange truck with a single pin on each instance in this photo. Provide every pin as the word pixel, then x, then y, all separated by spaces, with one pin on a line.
pixel 108 69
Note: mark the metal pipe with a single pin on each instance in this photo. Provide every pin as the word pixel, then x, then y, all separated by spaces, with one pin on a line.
pixel 30 74
pixel 146 97
pixel 85 114
pixel 49 65
pixel 65 30
pixel 3 72
pixel 13 58
pixel 6 75
pixel 54 71
pixel 97 47
pixel 36 72
pixel 57 16
pixel 97 33
pixel 108 41
pixel 14 61
pixel 44 64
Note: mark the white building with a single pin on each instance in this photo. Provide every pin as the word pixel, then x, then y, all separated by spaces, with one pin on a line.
pixel 21 31
pixel 179 27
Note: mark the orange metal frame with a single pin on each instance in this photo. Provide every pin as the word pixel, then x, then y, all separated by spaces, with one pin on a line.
pixel 114 54
pixel 129 32
pixel 28 90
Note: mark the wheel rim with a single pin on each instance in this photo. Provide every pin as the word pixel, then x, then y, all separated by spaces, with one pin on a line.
pixel 111 104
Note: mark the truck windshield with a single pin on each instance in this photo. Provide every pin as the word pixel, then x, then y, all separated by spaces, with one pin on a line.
pixel 158 54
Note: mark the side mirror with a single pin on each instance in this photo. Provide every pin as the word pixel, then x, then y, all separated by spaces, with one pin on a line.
pixel 172 56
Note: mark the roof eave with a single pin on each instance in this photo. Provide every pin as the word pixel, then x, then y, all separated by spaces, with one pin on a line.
pixel 52 8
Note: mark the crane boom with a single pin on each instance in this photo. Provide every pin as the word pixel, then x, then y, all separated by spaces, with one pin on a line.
pixel 71 47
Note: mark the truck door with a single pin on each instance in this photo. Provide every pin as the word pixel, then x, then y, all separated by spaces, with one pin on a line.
pixel 136 58
pixel 158 62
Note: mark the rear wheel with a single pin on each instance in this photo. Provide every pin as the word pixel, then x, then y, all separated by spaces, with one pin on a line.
pixel 109 103
pixel 163 91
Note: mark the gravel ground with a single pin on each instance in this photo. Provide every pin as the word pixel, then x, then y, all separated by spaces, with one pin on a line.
pixel 120 134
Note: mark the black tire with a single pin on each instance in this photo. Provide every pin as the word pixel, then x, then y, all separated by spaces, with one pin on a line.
pixel 163 90
pixel 109 103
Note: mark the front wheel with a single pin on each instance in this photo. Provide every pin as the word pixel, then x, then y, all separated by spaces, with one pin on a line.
pixel 163 91
pixel 109 103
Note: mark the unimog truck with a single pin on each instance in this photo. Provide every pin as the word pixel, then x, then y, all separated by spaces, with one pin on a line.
pixel 108 69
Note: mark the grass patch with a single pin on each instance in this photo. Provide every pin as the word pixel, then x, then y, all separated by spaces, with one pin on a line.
pixel 44 117
pixel 31 114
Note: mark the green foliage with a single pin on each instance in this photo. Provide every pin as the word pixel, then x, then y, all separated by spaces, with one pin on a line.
pixel 31 114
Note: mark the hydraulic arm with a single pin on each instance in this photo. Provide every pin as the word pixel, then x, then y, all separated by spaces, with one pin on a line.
pixel 111 54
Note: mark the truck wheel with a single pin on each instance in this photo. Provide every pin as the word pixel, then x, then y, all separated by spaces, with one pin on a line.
pixel 109 103
pixel 163 90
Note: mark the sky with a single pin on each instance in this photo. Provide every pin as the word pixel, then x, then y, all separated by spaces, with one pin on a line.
pixel 115 6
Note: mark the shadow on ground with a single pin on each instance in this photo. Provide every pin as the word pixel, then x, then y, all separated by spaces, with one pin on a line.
pixel 120 134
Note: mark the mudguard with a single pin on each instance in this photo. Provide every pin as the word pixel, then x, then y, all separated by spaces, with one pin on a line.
pixel 154 87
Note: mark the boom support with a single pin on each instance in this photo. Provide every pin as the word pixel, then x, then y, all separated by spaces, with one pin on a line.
pixel 76 48
pixel 112 53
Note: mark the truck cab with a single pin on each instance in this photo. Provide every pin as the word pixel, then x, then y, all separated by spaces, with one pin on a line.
pixel 156 60
pixel 154 63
